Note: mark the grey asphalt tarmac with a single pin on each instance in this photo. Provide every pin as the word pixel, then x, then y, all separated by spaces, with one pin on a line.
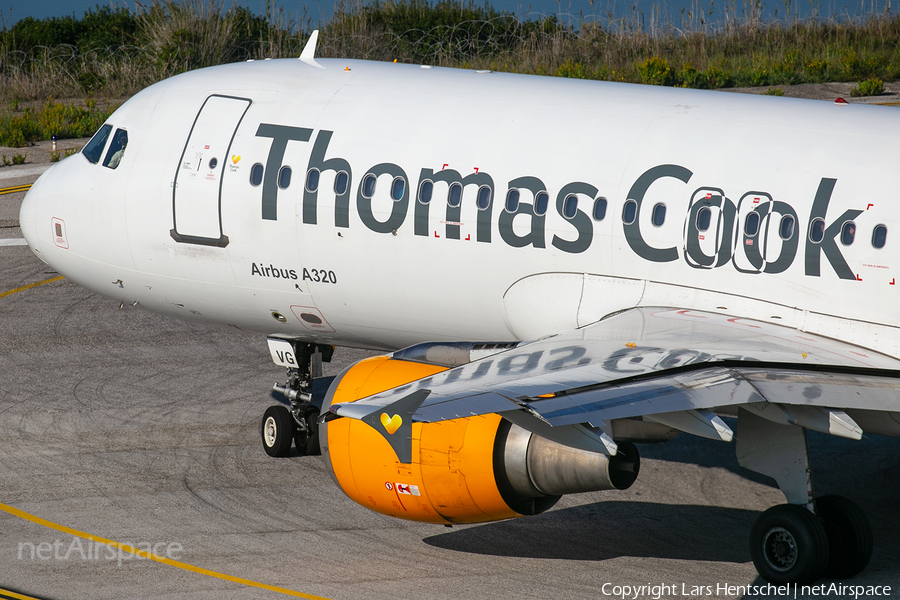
pixel 139 429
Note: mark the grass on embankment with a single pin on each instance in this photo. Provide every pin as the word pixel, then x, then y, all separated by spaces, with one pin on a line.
pixel 110 53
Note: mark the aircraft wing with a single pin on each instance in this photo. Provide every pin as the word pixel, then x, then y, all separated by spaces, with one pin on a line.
pixel 670 366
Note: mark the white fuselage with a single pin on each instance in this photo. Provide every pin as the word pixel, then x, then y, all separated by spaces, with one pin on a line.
pixel 384 273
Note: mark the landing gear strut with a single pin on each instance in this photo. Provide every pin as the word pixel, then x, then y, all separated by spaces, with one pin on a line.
pixel 810 537
pixel 281 427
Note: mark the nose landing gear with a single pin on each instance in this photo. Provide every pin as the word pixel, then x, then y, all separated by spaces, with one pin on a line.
pixel 282 426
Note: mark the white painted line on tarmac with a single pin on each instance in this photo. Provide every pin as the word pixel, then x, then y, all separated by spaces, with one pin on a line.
pixel 18 171
pixel 13 242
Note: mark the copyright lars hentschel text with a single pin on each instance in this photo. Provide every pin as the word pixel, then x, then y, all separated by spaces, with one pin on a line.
pixel 684 590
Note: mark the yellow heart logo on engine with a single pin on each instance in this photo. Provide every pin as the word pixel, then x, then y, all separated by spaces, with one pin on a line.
pixel 235 158
pixel 391 424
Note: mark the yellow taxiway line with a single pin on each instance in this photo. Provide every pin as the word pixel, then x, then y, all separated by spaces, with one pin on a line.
pixel 124 547
pixel 15 188
pixel 149 555
pixel 29 286
pixel 9 595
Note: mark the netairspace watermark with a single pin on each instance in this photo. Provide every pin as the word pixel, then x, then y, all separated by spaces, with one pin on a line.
pixel 79 549
pixel 683 590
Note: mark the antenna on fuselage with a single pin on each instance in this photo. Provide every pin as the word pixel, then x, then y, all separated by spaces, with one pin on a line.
pixel 309 51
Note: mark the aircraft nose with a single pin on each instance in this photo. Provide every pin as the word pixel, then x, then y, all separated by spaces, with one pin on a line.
pixel 28 212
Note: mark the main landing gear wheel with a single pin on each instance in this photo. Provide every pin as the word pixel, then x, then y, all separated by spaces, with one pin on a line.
pixel 307 441
pixel 849 536
pixel 277 431
pixel 788 544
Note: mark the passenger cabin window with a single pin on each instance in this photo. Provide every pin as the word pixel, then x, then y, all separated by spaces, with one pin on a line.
pixel 398 186
pixel 659 215
pixel 570 206
pixel 541 202
pixel 817 230
pixel 629 212
pixel 751 225
pixel 94 149
pixel 312 180
pixel 848 233
pixel 600 208
pixel 368 185
pixel 284 177
pixel 426 189
pixel 454 195
pixel 484 197
pixel 512 200
pixel 116 149
pixel 256 174
pixel 341 181
pixel 879 236
pixel 704 216
pixel 786 228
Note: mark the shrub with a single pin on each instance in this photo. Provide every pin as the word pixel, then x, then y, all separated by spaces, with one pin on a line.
pixel 102 27
pixel 759 77
pixel 18 130
pixel 717 77
pixel 859 67
pixel 574 70
pixel 656 71
pixel 53 118
pixel 689 76
pixel 817 71
pixel 869 87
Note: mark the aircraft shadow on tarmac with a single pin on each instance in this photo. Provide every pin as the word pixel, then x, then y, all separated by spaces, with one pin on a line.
pixel 606 530
pixel 840 466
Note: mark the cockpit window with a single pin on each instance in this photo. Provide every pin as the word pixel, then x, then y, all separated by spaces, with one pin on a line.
pixel 116 149
pixel 94 149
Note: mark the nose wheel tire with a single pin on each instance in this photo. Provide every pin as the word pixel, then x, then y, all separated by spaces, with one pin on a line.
pixel 849 536
pixel 789 544
pixel 277 431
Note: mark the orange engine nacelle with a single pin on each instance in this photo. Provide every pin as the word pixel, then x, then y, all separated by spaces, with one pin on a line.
pixel 467 470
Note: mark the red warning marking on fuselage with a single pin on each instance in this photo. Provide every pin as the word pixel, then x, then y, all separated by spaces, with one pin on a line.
pixel 436 234
pixel 756 201
pixel 445 166
pixel 858 278
pixel 686 313
pixel 892 281
pixel 735 321
pixel 859 354
pixel 476 169
pixel 869 206
pixel 468 236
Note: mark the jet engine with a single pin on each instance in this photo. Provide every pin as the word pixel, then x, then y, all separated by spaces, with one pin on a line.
pixel 466 470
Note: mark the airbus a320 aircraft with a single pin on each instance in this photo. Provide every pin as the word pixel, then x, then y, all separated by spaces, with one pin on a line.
pixel 561 268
